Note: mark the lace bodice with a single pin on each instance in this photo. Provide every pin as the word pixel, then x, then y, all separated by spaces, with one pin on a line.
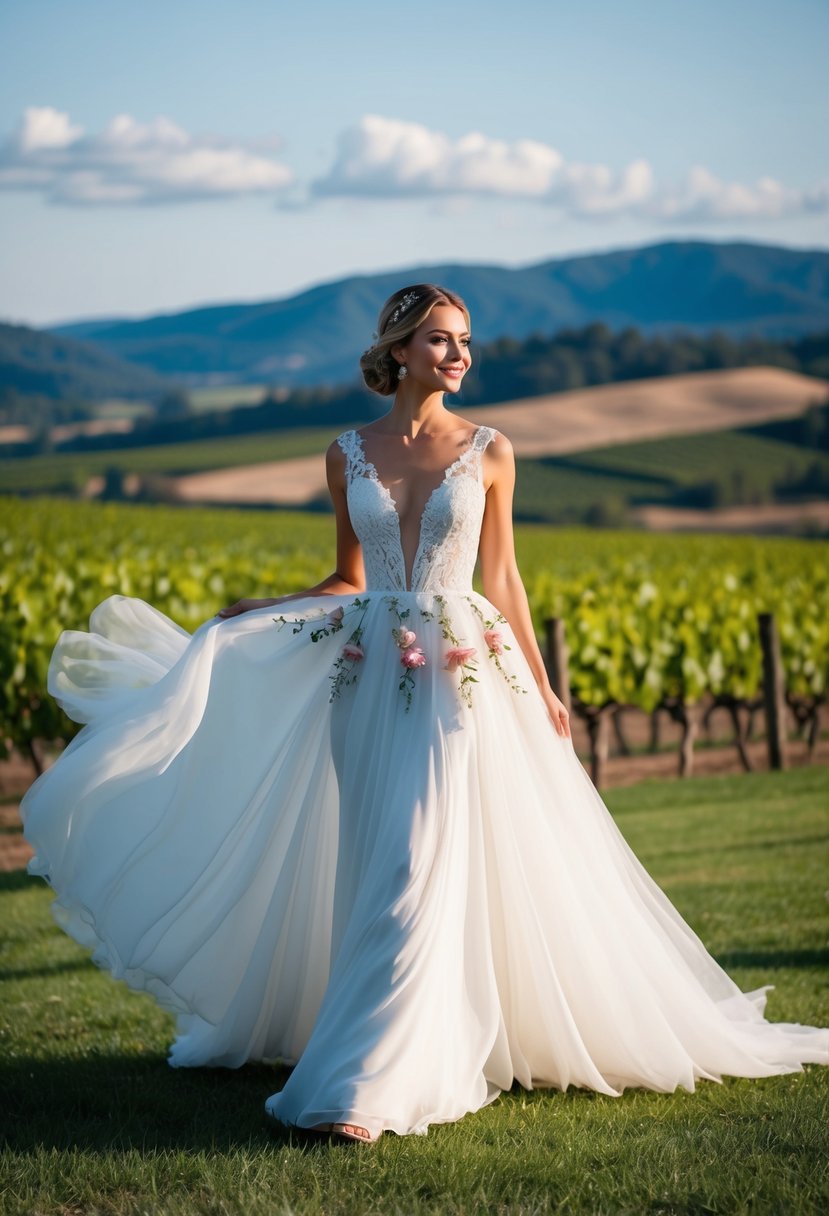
pixel 450 525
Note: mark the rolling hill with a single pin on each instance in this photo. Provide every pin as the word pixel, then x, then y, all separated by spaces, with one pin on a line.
pixel 315 336
pixel 37 363
pixel 555 425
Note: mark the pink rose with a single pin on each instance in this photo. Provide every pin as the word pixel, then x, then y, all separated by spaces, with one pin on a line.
pixel 457 656
pixel 353 652
pixel 494 640
pixel 336 616
pixel 413 656
pixel 404 638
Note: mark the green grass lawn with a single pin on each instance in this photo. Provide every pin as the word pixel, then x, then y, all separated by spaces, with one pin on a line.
pixel 97 1122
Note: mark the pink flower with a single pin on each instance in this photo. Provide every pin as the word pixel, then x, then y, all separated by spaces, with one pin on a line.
pixel 404 638
pixel 413 656
pixel 494 640
pixel 458 656
pixel 353 652
pixel 335 617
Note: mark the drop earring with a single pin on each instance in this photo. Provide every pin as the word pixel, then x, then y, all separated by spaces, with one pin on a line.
pixel 402 372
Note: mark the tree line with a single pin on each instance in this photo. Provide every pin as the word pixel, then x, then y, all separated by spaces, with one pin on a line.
pixel 503 370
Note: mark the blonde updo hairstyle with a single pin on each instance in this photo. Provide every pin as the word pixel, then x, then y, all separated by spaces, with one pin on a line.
pixel 378 365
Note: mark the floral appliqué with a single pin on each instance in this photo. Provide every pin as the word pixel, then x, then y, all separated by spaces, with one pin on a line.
pixel 345 666
pixel 458 657
pixel 411 656
pixel 462 658
pixel 495 643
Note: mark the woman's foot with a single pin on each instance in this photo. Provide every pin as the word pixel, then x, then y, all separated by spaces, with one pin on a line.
pixel 353 1131
pixel 340 1131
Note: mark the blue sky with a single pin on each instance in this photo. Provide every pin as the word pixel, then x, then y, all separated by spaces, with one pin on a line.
pixel 163 155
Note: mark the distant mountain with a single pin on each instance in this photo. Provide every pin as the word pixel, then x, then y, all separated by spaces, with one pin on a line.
pixel 316 337
pixel 36 363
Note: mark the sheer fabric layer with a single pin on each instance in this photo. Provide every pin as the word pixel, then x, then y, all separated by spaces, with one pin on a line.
pixel 414 906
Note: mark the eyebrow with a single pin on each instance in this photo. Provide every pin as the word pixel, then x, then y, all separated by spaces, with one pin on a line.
pixel 464 334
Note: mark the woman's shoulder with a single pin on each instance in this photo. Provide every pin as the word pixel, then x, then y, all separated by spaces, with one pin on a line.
pixel 489 438
pixel 342 440
pixel 340 446
pixel 479 433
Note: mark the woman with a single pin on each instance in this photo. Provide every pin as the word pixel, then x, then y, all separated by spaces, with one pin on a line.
pixel 354 835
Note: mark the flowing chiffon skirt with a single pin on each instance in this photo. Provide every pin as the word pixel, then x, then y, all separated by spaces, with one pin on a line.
pixel 415 907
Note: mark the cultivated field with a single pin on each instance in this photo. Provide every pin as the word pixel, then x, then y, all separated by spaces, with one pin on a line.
pixel 559 423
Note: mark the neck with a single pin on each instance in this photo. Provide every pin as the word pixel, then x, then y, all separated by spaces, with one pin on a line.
pixel 414 409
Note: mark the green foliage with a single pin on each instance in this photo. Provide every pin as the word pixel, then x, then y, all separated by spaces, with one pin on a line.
pixel 97 1123
pixel 665 617
pixel 502 370
pixel 576 358
pixel 59 560
pixel 647 617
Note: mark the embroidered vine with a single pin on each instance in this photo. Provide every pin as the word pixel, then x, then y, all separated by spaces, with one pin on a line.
pixel 457 656
pixel 495 644
pixel 411 656
pixel 345 665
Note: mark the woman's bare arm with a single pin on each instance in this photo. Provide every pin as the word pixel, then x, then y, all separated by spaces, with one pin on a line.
pixel 349 576
pixel 501 580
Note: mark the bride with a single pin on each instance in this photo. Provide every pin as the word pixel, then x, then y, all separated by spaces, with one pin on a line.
pixel 353 836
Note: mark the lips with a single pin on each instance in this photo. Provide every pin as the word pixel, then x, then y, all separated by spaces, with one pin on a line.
pixel 451 371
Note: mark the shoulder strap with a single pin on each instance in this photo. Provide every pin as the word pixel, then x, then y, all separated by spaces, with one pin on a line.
pixel 355 463
pixel 482 438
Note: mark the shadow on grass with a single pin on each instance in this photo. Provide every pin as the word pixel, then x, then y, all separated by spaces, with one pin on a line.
pixel 33 973
pixel 773 958
pixel 121 1102
pixel 19 880
pixel 114 1103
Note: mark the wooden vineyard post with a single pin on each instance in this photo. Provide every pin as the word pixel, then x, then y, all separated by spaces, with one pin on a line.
pixel 688 716
pixel 557 660
pixel 774 691
pixel 598 730
pixel 596 717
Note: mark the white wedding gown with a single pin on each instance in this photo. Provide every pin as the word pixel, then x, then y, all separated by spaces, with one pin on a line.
pixel 409 887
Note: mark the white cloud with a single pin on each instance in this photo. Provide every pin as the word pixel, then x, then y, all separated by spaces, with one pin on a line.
pixel 134 163
pixel 386 158
pixel 43 127
pixel 703 196
pixel 130 162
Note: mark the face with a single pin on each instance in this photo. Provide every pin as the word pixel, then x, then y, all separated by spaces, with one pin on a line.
pixel 437 354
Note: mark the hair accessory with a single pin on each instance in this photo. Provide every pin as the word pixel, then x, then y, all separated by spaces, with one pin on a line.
pixel 402 372
pixel 410 298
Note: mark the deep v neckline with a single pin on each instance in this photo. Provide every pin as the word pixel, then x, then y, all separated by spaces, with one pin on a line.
pixel 371 469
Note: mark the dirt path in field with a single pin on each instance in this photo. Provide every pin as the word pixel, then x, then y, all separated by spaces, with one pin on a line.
pixel 296 482
pixel 717 756
pixel 558 423
pixel 794 517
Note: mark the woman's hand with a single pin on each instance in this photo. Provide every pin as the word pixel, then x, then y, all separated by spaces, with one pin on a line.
pixel 243 606
pixel 559 715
